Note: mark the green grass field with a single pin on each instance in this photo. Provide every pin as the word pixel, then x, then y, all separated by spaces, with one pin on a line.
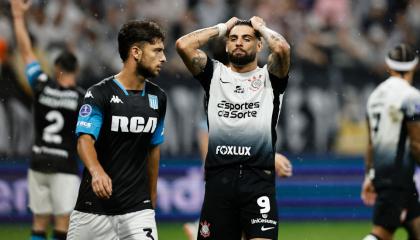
pixel 287 231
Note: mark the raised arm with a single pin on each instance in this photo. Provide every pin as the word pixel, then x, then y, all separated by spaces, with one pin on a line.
pixel 279 59
pixel 188 46
pixel 19 7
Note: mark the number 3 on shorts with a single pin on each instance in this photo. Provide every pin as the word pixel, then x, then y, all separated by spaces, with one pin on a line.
pixel 148 232
pixel 264 203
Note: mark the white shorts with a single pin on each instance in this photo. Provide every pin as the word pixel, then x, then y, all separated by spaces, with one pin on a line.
pixel 52 193
pixel 140 225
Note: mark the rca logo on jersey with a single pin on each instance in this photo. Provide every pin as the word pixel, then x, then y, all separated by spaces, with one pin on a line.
pixel 115 99
pixel 233 150
pixel 133 125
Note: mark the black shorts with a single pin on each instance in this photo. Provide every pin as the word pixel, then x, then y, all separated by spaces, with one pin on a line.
pixel 239 201
pixel 395 206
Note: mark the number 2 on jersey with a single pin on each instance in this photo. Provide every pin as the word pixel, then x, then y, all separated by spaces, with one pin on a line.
pixel 50 134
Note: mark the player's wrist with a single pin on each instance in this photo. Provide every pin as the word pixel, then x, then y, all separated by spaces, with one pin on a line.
pixel 370 174
pixel 222 28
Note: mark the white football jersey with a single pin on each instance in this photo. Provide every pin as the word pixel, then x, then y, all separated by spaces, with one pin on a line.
pixel 390 106
pixel 242 111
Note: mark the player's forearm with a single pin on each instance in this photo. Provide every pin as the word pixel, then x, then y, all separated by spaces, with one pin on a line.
pixel 153 171
pixel 276 42
pixel 23 40
pixel 196 39
pixel 88 155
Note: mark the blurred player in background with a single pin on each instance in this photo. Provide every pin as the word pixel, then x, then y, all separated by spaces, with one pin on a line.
pixel 393 111
pixel 243 104
pixel 52 175
pixel 120 128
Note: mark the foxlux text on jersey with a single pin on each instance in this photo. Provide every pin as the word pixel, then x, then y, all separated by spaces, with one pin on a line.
pixel 233 150
pixel 237 110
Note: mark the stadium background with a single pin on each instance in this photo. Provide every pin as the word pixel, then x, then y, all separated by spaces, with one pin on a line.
pixel 338 48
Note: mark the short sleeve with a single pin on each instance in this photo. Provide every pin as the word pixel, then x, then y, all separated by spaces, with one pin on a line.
pixel 411 108
pixel 159 135
pixel 90 117
pixel 206 75
pixel 279 84
pixel 33 72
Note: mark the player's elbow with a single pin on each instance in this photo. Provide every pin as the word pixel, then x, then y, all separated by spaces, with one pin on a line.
pixel 181 45
pixel 282 49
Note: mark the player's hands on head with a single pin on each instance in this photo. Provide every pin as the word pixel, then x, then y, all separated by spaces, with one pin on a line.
pixel 19 7
pixel 231 22
pixel 101 183
pixel 257 23
pixel 368 193
pixel 283 166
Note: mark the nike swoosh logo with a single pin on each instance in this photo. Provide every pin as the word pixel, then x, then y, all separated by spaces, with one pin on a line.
pixel 223 81
pixel 266 228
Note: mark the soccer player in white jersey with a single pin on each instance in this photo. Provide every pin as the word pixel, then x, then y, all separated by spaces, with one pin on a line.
pixel 243 105
pixel 393 111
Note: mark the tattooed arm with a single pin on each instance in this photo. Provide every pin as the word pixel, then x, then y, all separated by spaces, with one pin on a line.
pixel 279 59
pixel 188 46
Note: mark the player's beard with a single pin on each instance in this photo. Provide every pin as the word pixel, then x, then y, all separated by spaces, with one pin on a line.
pixel 142 71
pixel 242 60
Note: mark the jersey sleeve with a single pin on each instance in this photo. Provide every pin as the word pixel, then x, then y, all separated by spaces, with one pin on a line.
pixel 34 74
pixel 411 108
pixel 90 117
pixel 159 135
pixel 206 75
pixel 279 84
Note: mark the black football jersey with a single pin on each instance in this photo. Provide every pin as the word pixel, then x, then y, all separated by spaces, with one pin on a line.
pixel 55 115
pixel 125 125
pixel 242 113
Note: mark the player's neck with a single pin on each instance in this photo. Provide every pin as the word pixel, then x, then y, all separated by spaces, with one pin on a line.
pixel 130 79
pixel 408 77
pixel 244 68
pixel 66 80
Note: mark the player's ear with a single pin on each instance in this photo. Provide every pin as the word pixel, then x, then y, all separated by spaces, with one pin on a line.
pixel 136 52
pixel 259 45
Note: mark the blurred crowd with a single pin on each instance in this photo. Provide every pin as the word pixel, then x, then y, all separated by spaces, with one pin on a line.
pixel 338 49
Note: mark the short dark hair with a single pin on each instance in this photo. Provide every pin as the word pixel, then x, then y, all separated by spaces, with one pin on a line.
pixel 402 53
pixel 246 23
pixel 67 61
pixel 137 31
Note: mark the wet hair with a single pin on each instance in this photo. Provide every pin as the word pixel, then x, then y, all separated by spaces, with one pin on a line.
pixel 402 53
pixel 137 31
pixel 67 61
pixel 246 23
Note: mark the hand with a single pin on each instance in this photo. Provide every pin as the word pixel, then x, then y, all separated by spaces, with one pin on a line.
pixel 257 23
pixel 101 183
pixel 19 7
pixel 231 22
pixel 283 166
pixel 368 193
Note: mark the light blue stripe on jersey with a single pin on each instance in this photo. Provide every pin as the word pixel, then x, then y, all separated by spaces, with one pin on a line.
pixel 121 86
pixel 90 124
pixel 125 91
pixel 158 135
pixel 37 238
pixel 32 71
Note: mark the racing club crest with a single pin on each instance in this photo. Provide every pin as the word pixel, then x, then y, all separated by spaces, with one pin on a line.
pixel 205 229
